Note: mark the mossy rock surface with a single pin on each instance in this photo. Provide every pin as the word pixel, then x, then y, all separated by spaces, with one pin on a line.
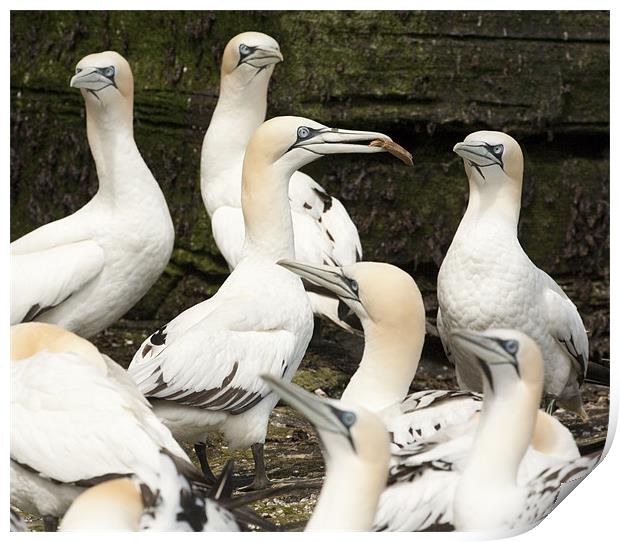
pixel 426 78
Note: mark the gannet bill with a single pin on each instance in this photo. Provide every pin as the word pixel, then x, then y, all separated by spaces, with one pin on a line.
pixel 124 504
pixel 202 369
pixel 500 482
pixel 388 304
pixel 487 280
pixel 324 231
pixel 355 447
pixel 78 419
pixel 85 271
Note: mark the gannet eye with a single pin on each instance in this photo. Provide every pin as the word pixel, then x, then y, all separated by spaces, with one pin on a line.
pixel 348 418
pixel 108 72
pixel 303 132
pixel 498 149
pixel 244 49
pixel 511 346
pixel 354 286
pixel 78 70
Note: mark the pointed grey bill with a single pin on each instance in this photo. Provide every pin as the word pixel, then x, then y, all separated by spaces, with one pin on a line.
pixel 325 279
pixel 318 411
pixel 478 153
pixel 338 141
pixel 91 79
pixel 262 57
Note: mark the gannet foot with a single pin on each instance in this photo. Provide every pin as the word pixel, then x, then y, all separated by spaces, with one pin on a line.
pixel 317 339
pixel 201 453
pixel 260 481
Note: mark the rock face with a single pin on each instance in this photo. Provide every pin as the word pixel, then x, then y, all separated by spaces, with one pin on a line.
pixel 426 78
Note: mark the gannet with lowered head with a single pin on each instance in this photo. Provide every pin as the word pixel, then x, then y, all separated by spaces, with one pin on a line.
pixel 324 232
pixel 202 369
pixel 355 447
pixel 487 280
pixel 85 271
pixel 500 483
pixel 389 306
pixel 78 419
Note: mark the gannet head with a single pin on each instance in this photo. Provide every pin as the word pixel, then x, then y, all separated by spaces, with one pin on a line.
pixel 378 293
pixel 344 430
pixel 249 54
pixel 292 142
pixel 104 79
pixel 491 157
pixel 508 359
pixel 114 505
pixel 32 337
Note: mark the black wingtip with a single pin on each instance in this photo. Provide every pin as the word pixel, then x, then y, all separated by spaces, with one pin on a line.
pixel 224 486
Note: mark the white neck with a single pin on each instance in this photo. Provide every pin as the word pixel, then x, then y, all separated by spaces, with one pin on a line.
pixel 388 366
pixel 121 170
pixel 349 497
pixel 266 210
pixel 496 206
pixel 504 433
pixel 240 110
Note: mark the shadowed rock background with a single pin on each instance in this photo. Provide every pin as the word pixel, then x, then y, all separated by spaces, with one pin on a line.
pixel 426 78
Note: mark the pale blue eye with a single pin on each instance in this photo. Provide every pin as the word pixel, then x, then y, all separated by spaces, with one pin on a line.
pixel 511 346
pixel 498 149
pixel 354 286
pixel 303 132
pixel 244 49
pixel 348 418
pixel 109 72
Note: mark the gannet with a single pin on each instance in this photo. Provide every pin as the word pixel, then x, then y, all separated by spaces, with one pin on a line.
pixel 324 232
pixel 78 419
pixel 504 480
pixel 487 280
pixel 17 523
pixel 85 271
pixel 124 504
pixel 355 447
pixel 201 370
pixel 388 304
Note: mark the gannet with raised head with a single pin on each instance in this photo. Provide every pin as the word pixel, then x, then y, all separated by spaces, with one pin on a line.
pixel 355 447
pixel 487 280
pixel 85 271
pixel 78 419
pixel 324 232
pixel 389 306
pixel 501 483
pixel 202 369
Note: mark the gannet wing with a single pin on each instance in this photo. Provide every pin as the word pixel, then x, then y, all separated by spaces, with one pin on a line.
pixel 72 423
pixel 216 362
pixel 423 414
pixel 44 279
pixel 566 326
pixel 228 231
pixel 551 486
pixel 337 240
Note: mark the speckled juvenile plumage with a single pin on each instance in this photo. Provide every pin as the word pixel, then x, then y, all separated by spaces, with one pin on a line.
pixel 487 280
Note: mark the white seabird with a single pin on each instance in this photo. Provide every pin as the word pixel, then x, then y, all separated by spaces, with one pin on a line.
pixel 78 419
pixel 487 280
pixel 85 271
pixel 355 447
pixel 124 504
pixel 201 370
pixel 324 232
pixel 501 483
pixel 389 306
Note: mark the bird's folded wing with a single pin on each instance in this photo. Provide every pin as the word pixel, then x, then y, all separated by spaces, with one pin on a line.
pixel 324 231
pixel 566 326
pixel 70 423
pixel 44 279
pixel 229 233
pixel 216 363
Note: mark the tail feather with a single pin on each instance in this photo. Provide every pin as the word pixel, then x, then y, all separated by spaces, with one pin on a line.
pixel 597 374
